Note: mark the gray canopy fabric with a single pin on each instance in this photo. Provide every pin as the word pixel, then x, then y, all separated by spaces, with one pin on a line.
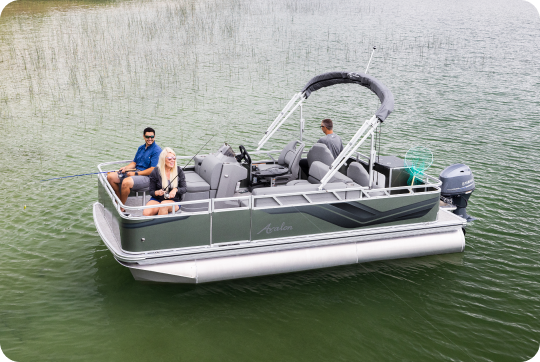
pixel 327 79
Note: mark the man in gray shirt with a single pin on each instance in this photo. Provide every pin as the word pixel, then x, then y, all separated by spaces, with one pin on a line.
pixel 331 140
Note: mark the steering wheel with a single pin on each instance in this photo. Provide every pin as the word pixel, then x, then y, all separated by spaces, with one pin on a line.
pixel 244 155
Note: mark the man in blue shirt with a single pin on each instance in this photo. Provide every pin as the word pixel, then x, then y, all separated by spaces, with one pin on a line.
pixel 137 172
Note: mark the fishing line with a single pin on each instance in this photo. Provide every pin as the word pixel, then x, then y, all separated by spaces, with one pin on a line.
pixel 83 174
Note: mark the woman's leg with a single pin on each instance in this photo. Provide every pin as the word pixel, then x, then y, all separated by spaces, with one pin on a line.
pixel 152 211
pixel 168 209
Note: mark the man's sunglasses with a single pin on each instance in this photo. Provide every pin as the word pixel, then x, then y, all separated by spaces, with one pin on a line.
pixel 152 137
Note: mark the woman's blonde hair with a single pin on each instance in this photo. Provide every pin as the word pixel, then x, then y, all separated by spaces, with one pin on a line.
pixel 161 167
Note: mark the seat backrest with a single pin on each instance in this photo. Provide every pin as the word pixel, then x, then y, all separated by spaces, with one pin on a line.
pixel 358 174
pixel 210 171
pixel 319 152
pixel 290 157
pixel 319 169
pixel 231 173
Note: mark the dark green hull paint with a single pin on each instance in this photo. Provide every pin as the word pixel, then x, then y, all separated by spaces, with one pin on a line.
pixel 231 226
pixel 181 232
pixel 240 225
pixel 170 233
pixel 342 216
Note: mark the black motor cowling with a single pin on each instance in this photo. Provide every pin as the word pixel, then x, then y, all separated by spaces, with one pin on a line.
pixel 457 187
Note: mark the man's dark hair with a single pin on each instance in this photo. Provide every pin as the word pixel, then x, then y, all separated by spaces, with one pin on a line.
pixel 149 129
pixel 328 124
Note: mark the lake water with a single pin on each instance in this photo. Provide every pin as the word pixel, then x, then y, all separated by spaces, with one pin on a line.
pixel 80 80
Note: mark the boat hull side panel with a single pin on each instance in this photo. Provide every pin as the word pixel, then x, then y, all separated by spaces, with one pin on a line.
pixel 230 226
pixel 176 232
pixel 342 216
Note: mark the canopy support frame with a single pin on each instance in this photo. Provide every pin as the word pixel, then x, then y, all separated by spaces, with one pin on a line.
pixel 367 129
pixel 281 118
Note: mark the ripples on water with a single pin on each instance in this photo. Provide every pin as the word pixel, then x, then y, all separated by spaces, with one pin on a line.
pixel 80 80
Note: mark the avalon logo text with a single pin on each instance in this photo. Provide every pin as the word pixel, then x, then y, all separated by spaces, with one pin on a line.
pixel 269 229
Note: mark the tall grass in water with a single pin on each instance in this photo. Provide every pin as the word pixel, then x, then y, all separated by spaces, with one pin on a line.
pixel 191 68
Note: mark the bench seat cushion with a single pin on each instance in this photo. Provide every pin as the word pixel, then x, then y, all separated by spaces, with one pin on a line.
pixel 195 183
pixel 318 170
pixel 270 170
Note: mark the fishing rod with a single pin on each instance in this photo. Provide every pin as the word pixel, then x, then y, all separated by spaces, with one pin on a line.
pixel 83 174
pixel 370 59
pixel 198 152
pixel 183 168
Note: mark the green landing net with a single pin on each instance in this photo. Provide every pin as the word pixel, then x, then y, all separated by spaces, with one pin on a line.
pixel 417 160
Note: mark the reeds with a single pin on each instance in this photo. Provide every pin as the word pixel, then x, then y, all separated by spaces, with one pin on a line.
pixel 189 67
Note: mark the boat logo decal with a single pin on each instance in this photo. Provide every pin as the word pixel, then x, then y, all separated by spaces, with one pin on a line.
pixel 269 229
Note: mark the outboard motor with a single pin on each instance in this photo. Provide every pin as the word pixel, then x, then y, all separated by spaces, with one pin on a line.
pixel 457 187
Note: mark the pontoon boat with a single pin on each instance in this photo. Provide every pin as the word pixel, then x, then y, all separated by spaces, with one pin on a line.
pixel 257 213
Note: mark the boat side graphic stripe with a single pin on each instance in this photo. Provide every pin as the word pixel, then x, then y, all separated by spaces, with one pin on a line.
pixel 353 215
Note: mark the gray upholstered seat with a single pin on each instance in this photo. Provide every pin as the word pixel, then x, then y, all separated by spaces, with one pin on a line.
pixel 196 183
pixel 358 174
pixel 213 178
pixel 288 164
pixel 319 169
pixel 319 152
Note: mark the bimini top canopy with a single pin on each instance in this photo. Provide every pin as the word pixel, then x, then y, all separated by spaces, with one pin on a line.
pixel 327 79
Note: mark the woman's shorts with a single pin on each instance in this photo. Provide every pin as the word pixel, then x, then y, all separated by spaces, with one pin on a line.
pixel 153 199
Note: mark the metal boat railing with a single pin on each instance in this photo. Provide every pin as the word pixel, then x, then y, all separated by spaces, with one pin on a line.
pixel 248 202
pixel 363 192
pixel 118 204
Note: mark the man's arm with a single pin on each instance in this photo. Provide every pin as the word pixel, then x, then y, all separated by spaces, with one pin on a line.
pixel 146 172
pixel 131 166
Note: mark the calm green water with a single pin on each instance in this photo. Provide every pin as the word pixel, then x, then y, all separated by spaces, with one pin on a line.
pixel 81 79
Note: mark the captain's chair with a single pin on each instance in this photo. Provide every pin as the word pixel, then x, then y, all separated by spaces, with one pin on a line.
pixel 320 152
pixel 286 169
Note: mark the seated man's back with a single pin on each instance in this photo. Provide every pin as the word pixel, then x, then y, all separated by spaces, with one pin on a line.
pixel 333 142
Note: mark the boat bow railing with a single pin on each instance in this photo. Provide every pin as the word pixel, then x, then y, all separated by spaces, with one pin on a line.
pixel 287 199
